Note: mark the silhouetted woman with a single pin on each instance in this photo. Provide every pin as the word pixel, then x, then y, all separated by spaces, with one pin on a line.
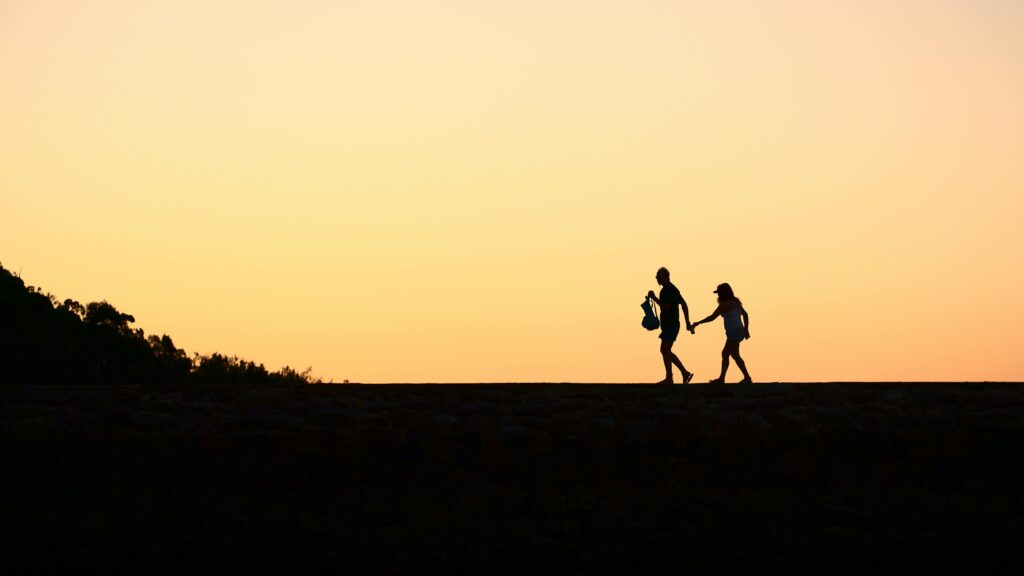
pixel 737 329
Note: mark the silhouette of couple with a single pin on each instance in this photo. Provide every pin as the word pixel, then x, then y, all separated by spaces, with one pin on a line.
pixel 737 324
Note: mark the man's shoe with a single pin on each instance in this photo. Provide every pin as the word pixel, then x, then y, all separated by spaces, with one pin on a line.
pixel 667 381
pixel 687 377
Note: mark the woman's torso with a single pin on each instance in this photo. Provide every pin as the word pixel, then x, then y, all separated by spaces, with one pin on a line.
pixel 732 311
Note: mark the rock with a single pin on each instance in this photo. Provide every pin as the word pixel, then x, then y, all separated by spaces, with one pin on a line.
pixel 421 511
pixel 405 418
pixel 483 407
pixel 470 509
pixel 788 423
pixel 892 397
pixel 530 422
pixel 330 417
pixel 634 430
pixel 445 422
pixel 751 426
pixel 150 421
pixel 603 424
pixel 563 530
pixel 566 425
pixel 32 430
pixel 280 422
pixel 481 423
pixel 364 420
pixel 835 420
pixel 517 479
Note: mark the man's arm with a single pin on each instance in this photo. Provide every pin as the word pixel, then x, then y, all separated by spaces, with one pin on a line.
pixel 686 312
pixel 650 294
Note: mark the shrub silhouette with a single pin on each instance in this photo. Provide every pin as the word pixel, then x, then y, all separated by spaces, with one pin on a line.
pixel 43 341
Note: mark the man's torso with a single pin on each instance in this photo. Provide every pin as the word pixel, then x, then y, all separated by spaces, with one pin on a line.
pixel 670 299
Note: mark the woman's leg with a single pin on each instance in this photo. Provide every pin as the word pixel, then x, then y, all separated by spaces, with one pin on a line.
pixel 726 351
pixel 739 361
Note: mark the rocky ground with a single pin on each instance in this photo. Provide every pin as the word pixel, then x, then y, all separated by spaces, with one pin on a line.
pixel 511 479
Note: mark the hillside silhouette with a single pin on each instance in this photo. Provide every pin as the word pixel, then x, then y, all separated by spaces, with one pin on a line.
pixel 46 341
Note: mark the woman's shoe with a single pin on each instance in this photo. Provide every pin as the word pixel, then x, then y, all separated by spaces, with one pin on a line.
pixel 687 377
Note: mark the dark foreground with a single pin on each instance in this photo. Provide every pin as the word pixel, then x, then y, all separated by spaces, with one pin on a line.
pixel 537 479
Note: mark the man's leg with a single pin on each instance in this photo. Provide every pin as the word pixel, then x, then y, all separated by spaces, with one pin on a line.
pixel 667 355
pixel 670 358
pixel 682 369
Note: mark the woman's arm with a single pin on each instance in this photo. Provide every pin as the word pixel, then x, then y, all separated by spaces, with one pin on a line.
pixel 746 322
pixel 714 315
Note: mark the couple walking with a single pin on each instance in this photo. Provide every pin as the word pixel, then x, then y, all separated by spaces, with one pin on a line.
pixel 731 310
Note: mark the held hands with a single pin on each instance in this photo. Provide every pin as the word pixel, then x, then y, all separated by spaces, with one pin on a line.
pixel 691 327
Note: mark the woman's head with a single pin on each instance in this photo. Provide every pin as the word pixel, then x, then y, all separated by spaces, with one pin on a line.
pixel 724 292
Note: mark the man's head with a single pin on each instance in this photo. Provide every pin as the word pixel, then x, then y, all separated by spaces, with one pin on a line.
pixel 662 276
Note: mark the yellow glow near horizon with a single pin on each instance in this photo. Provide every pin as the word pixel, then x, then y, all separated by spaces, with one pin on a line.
pixel 472 191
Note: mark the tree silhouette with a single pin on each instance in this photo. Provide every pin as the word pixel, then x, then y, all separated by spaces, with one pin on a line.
pixel 103 314
pixel 43 340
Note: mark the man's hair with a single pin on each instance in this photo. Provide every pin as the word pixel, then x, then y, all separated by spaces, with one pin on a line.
pixel 663 270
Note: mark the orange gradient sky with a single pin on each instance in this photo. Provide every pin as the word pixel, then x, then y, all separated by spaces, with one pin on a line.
pixel 479 191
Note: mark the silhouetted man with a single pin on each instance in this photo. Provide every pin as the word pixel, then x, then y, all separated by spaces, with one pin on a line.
pixel 670 301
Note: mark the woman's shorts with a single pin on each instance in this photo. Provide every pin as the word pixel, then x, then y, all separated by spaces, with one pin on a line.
pixel 669 332
pixel 735 333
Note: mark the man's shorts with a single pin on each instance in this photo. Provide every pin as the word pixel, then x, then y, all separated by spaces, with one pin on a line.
pixel 669 332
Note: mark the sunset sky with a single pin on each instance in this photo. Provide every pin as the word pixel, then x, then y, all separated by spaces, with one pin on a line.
pixel 482 191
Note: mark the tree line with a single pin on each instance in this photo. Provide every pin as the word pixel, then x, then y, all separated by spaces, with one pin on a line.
pixel 46 341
